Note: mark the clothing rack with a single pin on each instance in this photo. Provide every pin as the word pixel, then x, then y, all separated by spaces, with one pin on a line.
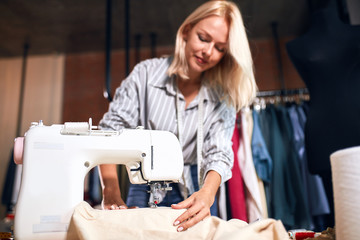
pixel 282 93
pixel 279 96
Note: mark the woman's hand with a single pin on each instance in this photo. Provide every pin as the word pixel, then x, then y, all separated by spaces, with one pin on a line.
pixel 110 188
pixel 198 207
pixel 112 200
pixel 198 204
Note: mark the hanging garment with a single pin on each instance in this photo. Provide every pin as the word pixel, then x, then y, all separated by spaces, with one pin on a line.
pixel 222 202
pixel 302 215
pixel 278 206
pixel 236 194
pixel 262 161
pixel 314 188
pixel 252 192
pixel 264 125
pixel 263 198
pixel 284 196
pixel 300 109
pixel 250 133
pixel 261 157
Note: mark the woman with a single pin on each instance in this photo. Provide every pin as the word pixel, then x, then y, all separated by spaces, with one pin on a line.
pixel 195 95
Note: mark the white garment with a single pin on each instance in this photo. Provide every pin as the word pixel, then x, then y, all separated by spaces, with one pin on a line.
pixel 222 208
pixel 252 191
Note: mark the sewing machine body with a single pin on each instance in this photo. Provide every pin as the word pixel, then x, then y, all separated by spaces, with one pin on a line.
pixel 55 165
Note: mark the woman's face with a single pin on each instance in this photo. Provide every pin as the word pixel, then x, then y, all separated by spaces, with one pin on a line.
pixel 206 44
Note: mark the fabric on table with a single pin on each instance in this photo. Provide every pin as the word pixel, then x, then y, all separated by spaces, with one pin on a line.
pixel 148 223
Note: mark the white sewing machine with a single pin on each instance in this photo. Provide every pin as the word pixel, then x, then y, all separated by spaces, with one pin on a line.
pixel 57 158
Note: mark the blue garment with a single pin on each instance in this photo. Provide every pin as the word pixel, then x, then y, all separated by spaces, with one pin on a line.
pixel 277 197
pixel 138 194
pixel 314 188
pixel 261 157
pixel 285 198
pixel 301 209
pixel 301 116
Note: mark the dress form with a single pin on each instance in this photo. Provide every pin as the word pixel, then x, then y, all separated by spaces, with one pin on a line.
pixel 327 57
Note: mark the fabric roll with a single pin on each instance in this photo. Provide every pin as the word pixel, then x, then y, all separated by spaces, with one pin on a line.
pixel 345 167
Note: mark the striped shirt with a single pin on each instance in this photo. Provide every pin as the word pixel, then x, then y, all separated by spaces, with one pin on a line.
pixel 128 109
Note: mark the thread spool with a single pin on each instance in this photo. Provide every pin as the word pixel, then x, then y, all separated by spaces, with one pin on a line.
pixel 80 128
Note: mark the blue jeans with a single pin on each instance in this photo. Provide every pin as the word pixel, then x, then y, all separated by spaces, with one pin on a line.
pixel 138 194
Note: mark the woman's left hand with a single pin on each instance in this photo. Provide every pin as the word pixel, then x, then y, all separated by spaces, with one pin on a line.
pixel 198 204
pixel 198 207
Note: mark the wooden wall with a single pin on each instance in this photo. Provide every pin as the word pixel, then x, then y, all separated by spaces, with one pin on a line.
pixel 43 98
pixel 85 76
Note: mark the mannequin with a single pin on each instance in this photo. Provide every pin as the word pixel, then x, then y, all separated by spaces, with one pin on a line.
pixel 327 58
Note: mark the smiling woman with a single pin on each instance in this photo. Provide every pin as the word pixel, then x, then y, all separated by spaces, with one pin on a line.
pixel 205 47
pixel 195 94
pixel 236 61
pixel 205 43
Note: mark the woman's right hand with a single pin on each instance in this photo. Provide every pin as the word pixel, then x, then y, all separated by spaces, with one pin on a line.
pixel 112 200
pixel 110 188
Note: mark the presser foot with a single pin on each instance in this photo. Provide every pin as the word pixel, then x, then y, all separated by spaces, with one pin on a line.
pixel 157 192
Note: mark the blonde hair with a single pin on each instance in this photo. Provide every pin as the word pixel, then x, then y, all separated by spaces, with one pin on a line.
pixel 233 77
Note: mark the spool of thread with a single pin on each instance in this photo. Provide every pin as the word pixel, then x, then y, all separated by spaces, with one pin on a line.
pixel 76 128
pixel 304 235
pixel 301 234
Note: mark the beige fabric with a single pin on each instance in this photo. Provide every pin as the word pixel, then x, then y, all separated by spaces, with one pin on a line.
pixel 263 198
pixel 147 223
